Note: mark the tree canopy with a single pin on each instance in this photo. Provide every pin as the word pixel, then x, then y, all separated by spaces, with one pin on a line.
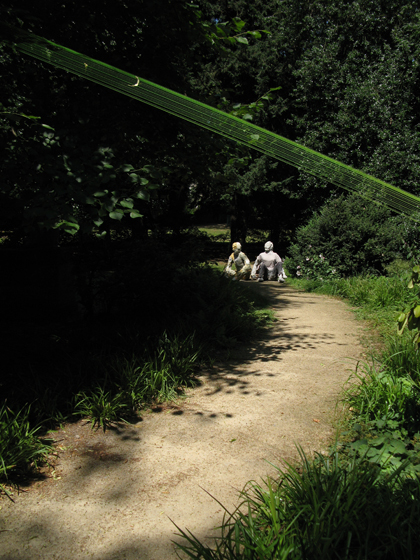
pixel 341 78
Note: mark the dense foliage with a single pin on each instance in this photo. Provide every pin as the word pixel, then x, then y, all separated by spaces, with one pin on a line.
pixel 339 78
pixel 348 236
pixel 349 77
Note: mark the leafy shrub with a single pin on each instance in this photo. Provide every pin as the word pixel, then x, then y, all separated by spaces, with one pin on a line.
pixel 353 235
pixel 315 267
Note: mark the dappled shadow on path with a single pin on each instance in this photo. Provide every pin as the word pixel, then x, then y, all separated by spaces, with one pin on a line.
pixel 233 369
pixel 134 469
pixel 45 536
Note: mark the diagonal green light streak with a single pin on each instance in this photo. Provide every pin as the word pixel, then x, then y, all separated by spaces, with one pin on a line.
pixel 217 121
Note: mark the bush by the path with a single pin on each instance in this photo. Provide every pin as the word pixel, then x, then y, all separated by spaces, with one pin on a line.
pixel 349 236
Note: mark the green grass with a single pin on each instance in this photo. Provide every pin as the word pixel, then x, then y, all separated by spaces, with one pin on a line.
pixel 378 299
pixel 322 509
pixel 217 233
pixel 21 446
pixel 214 230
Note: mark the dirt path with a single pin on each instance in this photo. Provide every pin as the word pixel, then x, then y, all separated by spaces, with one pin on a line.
pixel 111 496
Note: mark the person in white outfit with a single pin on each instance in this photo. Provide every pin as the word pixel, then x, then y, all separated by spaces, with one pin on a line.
pixel 241 262
pixel 268 265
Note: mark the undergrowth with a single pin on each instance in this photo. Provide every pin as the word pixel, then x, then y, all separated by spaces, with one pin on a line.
pixel 144 347
pixel 321 510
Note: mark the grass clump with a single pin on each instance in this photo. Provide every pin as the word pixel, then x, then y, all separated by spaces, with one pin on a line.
pixel 323 509
pixel 21 447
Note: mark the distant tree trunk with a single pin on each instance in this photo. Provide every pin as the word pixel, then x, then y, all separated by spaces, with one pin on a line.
pixel 275 234
pixel 275 221
pixel 238 222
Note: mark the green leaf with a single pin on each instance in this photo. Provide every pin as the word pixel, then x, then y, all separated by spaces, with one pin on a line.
pixel 238 23
pixel 127 168
pixel 127 203
pixel 375 442
pixel 100 193
pixel 135 214
pixel 98 222
pixel 69 227
pixel 116 215
pixel 255 34
pixel 242 40
pixel 397 446
pixel 255 136
pixel 220 31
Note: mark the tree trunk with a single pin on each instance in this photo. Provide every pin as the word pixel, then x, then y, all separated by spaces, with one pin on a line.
pixel 238 225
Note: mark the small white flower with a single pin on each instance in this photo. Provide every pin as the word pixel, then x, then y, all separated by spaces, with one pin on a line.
pixel 298 273
pixel 307 258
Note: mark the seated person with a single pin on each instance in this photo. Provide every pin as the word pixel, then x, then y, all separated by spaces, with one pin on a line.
pixel 268 265
pixel 242 264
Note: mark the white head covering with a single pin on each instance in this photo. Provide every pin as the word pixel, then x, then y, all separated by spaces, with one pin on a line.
pixel 268 247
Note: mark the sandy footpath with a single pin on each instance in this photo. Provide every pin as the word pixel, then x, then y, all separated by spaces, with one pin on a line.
pixel 112 496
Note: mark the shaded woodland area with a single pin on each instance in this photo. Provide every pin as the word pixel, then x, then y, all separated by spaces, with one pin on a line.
pixel 101 196
pixel 109 303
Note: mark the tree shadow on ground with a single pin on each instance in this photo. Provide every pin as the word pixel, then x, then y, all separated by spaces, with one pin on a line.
pixel 231 368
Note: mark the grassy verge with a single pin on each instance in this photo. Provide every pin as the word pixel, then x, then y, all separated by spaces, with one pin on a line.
pixel 108 367
pixel 363 500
